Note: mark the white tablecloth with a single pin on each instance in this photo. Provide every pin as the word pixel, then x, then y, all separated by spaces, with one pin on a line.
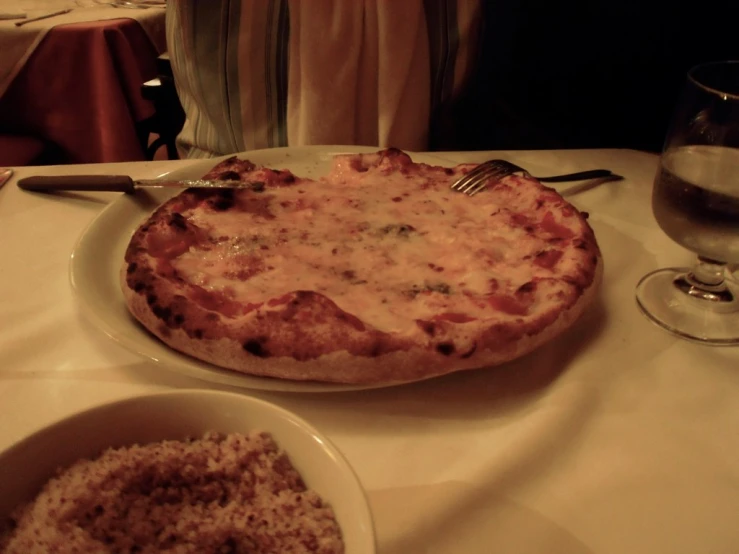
pixel 617 438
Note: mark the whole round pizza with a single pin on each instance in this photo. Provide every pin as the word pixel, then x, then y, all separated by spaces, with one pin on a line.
pixel 375 273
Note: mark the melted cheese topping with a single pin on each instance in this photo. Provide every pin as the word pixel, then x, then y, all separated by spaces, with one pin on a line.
pixel 386 245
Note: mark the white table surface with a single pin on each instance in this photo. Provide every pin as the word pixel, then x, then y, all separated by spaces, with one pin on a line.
pixel 616 438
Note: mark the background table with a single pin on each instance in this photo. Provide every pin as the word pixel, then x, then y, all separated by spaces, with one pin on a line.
pixel 78 87
pixel 615 438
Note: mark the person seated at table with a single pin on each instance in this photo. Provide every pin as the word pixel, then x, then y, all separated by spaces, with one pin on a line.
pixel 256 74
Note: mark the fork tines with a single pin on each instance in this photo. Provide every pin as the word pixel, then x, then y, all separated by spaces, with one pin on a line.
pixel 477 179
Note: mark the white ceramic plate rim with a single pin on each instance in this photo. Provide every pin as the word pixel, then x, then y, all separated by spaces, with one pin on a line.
pixel 95 260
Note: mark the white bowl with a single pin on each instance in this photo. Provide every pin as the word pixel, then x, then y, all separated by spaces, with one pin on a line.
pixel 26 466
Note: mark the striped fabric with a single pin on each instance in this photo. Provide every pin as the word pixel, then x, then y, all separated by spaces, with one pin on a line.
pixel 257 74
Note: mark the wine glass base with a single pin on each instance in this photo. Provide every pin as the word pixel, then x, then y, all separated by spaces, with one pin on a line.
pixel 668 305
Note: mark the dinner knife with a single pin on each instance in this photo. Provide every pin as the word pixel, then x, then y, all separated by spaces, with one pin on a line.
pixel 120 183
pixel 40 17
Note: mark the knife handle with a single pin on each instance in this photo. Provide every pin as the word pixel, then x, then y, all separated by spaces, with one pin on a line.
pixel 81 183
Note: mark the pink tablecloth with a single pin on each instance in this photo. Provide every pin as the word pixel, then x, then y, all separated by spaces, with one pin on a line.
pixel 80 91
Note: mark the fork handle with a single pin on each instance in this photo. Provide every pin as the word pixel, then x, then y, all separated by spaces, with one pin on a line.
pixel 579 176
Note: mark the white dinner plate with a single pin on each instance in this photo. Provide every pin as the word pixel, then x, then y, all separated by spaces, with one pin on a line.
pixel 98 255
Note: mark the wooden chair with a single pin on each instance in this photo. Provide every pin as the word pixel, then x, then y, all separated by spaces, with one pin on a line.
pixel 168 118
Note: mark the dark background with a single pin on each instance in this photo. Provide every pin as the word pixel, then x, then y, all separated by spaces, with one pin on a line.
pixel 582 74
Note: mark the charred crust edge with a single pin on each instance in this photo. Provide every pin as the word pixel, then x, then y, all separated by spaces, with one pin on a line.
pixel 256 347
pixel 445 348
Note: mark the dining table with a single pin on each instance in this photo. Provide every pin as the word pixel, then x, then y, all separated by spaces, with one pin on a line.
pixel 73 78
pixel 614 437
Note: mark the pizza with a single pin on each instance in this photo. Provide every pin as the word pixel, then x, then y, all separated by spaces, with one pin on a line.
pixel 375 273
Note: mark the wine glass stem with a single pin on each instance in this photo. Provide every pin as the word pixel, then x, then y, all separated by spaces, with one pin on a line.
pixel 706 281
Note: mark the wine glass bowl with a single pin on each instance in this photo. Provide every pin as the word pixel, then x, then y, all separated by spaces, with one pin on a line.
pixel 695 201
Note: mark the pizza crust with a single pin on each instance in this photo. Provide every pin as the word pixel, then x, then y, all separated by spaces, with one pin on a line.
pixel 341 366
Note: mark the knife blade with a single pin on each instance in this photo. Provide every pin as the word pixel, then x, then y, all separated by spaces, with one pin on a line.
pixel 120 183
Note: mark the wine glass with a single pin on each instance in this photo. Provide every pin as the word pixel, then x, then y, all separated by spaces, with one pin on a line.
pixel 695 200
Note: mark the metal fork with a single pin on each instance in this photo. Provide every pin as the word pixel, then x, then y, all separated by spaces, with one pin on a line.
pixel 494 170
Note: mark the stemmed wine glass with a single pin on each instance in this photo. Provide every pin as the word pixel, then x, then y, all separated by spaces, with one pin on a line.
pixel 695 200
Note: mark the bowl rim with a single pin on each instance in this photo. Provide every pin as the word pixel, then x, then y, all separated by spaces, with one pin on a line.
pixel 77 418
